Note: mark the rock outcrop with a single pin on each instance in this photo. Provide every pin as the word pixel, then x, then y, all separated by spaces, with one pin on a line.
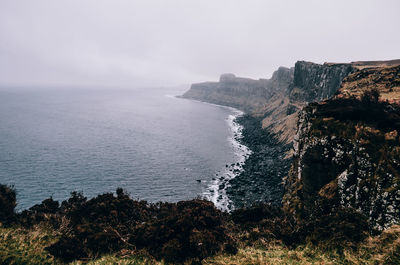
pixel 347 150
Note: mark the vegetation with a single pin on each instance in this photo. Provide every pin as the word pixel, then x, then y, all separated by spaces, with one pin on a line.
pixel 112 228
pixel 20 246
pixel 8 201
pixel 26 246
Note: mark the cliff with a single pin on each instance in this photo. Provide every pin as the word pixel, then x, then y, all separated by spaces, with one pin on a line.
pixel 278 99
pixel 347 149
pixel 245 94
pixel 273 105
pixel 311 82
pixel 315 82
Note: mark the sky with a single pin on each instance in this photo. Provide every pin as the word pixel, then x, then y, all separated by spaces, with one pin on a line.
pixel 133 43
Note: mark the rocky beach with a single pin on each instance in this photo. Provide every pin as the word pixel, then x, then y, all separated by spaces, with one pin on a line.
pixel 261 177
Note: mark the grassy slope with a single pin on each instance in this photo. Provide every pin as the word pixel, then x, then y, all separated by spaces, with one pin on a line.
pixel 20 246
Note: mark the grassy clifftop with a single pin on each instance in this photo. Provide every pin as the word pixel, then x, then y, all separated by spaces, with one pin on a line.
pixel 386 80
pixel 114 229
pixel 22 246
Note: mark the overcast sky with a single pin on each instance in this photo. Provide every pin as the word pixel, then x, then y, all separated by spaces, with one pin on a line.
pixel 172 42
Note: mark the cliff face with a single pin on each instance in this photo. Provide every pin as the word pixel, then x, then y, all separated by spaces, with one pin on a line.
pixel 311 82
pixel 347 150
pixel 315 82
pixel 243 93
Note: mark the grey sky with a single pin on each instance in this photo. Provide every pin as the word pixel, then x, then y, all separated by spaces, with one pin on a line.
pixel 170 42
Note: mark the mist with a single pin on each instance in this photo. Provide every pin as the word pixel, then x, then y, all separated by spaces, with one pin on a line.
pixel 98 43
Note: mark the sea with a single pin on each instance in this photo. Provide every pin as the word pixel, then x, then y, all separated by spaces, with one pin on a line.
pixel 154 145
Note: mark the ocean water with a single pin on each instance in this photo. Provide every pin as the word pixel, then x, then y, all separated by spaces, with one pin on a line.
pixel 154 145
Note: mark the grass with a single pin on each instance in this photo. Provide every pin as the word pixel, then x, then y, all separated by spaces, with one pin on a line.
pixel 21 246
pixel 113 259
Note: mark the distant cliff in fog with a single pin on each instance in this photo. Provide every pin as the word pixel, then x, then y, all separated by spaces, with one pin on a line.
pixel 277 99
pixel 246 94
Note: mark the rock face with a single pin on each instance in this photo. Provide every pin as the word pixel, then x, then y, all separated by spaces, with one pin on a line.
pixel 246 94
pixel 315 82
pixel 347 152
pixel 311 82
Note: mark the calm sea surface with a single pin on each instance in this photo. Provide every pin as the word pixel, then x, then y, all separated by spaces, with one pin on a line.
pixel 146 141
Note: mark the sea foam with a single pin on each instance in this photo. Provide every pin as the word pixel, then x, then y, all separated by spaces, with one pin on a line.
pixel 216 191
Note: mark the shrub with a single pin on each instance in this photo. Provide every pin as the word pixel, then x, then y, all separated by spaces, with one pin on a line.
pixel 48 212
pixel 256 213
pixel 343 228
pixel 269 223
pixel 171 231
pixel 7 204
pixel 370 96
pixel 191 230
pixel 98 226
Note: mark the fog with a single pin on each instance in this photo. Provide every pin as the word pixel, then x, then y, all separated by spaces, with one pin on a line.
pixel 120 43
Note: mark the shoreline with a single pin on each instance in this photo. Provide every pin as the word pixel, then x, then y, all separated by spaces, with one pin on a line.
pixel 257 175
pixel 216 190
pixel 261 179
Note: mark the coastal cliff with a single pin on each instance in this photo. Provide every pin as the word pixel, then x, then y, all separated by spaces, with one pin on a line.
pixel 311 82
pixel 345 143
pixel 347 149
pixel 272 107
pixel 316 82
pixel 245 94
pixel 276 100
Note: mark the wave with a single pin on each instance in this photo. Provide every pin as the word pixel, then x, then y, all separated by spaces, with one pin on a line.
pixel 216 191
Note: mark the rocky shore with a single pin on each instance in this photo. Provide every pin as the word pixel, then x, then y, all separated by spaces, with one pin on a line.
pixel 261 177
pixel 272 108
